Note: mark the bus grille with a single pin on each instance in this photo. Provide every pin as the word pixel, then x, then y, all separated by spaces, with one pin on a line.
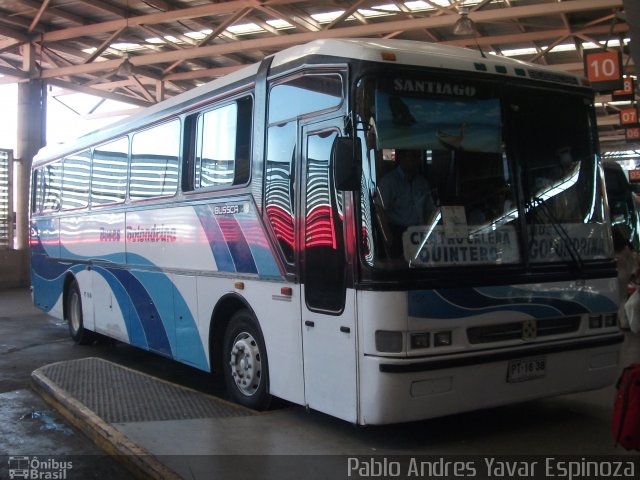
pixel 513 331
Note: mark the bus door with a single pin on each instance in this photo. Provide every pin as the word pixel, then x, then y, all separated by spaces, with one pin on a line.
pixel 328 311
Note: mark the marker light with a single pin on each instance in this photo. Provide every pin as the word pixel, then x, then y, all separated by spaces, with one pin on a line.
pixel 388 56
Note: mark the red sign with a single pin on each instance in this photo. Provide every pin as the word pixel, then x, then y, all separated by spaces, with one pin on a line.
pixel 629 116
pixel 634 175
pixel 632 134
pixel 627 92
pixel 603 70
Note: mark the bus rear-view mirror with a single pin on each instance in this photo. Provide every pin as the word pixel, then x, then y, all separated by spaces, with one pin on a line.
pixel 347 163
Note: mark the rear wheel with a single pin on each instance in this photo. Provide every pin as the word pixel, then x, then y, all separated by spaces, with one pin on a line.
pixel 245 362
pixel 73 314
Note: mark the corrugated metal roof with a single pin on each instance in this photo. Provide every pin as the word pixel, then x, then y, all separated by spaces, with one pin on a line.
pixel 173 46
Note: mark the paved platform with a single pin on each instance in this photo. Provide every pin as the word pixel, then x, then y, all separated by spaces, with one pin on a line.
pixel 165 431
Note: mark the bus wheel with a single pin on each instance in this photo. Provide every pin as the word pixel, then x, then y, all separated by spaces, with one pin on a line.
pixel 245 372
pixel 73 313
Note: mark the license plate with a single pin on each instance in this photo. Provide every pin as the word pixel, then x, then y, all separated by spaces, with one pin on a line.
pixel 526 369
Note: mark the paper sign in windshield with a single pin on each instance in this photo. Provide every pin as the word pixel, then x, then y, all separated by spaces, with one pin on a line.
pixel 436 248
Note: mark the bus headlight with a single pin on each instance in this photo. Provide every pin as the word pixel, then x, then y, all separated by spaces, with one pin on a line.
pixel 419 340
pixel 442 339
pixel 610 320
pixel 388 341
pixel 595 321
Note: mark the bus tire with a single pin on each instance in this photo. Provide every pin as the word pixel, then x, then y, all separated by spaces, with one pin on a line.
pixel 246 372
pixel 73 315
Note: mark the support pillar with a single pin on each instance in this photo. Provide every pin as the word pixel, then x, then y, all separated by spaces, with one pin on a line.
pixel 31 137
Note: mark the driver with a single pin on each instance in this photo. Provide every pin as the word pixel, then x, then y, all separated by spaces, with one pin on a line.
pixel 405 193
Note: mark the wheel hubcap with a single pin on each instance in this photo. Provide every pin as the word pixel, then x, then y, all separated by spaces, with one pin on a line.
pixel 246 364
pixel 74 312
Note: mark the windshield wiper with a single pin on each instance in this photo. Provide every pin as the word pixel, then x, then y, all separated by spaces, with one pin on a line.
pixel 560 230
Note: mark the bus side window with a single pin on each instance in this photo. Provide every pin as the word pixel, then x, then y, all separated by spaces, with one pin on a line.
pixel 37 191
pixel 243 141
pixel 75 180
pixel 154 162
pixel 109 175
pixel 305 94
pixel 51 186
pixel 223 145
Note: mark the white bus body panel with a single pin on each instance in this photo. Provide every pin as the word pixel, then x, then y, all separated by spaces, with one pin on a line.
pixel 279 320
pixel 330 361
pixel 400 387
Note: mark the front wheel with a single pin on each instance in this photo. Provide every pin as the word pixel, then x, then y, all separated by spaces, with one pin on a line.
pixel 73 314
pixel 245 362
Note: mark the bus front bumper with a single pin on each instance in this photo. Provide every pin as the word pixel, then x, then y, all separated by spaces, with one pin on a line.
pixel 396 390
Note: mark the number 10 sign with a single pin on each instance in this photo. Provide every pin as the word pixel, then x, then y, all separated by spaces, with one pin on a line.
pixel 603 70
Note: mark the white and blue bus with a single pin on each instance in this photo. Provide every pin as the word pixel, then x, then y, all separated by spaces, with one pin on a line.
pixel 239 228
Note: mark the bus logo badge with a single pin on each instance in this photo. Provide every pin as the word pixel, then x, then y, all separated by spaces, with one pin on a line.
pixel 529 330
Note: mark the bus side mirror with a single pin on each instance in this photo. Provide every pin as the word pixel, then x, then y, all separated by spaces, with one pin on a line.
pixel 346 158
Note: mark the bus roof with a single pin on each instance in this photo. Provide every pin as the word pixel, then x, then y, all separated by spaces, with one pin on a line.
pixel 397 52
pixel 410 52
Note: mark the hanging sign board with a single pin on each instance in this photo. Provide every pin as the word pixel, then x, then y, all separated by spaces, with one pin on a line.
pixel 634 175
pixel 603 70
pixel 627 92
pixel 629 116
pixel 632 134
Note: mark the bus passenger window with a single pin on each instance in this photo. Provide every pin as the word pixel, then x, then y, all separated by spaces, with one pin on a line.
pixel 37 191
pixel 216 147
pixel 223 145
pixel 52 181
pixel 75 180
pixel 154 162
pixel 109 176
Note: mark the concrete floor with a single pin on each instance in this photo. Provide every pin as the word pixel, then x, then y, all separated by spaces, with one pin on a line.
pixel 287 442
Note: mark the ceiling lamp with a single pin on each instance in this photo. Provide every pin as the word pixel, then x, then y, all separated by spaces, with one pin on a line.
pixel 464 25
pixel 126 68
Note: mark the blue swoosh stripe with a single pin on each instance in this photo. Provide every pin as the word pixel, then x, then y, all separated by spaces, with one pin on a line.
pixel 238 245
pixel 146 310
pixel 467 302
pixel 219 247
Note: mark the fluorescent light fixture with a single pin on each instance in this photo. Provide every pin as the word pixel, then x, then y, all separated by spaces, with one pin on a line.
pixel 387 8
pixel 327 17
pixel 516 52
pixel 372 13
pixel 245 29
pixel 279 24
pixel 195 35
pixel 126 47
pixel 418 6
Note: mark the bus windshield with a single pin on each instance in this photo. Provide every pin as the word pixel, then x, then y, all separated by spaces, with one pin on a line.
pixel 461 173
